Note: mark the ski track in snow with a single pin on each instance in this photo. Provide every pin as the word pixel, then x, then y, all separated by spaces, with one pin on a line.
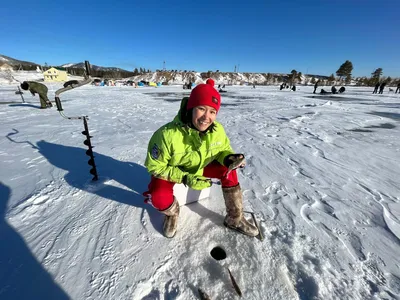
pixel 330 219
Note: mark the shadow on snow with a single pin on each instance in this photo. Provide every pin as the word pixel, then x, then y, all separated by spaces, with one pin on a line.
pixel 131 175
pixel 21 275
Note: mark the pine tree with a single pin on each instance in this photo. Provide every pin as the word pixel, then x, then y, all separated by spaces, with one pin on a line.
pixel 376 76
pixel 345 70
pixel 135 72
pixel 377 73
pixel 364 81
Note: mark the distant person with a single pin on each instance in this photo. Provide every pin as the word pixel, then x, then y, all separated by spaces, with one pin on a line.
pixel 293 88
pixel 376 88
pixel 221 88
pixel 382 87
pixel 96 82
pixel 398 88
pixel 316 86
pixel 282 86
pixel 254 86
pixel 41 89
pixel 323 92
pixel 342 90
pixel 333 89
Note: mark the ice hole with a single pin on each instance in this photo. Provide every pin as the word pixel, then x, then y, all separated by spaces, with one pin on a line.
pixel 218 253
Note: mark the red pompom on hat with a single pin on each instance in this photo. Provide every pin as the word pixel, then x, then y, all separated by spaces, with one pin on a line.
pixel 204 94
pixel 210 82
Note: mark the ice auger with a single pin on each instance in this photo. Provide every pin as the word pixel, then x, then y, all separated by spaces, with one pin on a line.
pixel 72 84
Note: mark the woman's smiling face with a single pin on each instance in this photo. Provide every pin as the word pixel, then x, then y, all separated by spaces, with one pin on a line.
pixel 203 116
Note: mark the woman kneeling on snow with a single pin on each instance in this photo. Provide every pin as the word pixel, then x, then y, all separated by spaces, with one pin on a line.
pixel 192 149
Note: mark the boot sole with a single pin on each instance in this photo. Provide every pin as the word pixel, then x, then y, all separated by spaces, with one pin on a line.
pixel 239 230
pixel 169 237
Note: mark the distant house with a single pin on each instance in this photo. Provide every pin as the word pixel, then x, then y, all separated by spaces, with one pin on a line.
pixel 55 74
pixel 5 67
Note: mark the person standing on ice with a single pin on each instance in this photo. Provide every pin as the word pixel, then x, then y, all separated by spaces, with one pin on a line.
pixel 376 88
pixel 192 149
pixel 316 86
pixel 382 87
pixel 41 89
pixel 398 88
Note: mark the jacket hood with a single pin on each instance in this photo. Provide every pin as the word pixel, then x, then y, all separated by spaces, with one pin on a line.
pixel 181 117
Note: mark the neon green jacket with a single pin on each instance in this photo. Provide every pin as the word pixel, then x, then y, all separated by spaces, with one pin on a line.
pixel 175 149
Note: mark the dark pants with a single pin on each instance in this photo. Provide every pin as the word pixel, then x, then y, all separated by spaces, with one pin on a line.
pixel 397 90
pixel 375 91
pixel 44 101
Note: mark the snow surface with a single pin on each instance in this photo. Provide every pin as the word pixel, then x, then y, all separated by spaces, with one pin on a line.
pixel 322 176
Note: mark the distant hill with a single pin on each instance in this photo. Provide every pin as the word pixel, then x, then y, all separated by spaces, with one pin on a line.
pixel 27 65
pixel 16 63
pixel 94 67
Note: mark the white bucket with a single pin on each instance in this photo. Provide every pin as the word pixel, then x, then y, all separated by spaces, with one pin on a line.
pixel 186 195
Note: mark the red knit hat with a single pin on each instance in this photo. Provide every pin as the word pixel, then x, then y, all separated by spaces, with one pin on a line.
pixel 204 94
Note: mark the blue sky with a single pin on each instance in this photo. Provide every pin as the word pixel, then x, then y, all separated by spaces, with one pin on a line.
pixel 313 37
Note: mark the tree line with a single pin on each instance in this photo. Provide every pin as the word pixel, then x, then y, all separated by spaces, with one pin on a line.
pixel 344 74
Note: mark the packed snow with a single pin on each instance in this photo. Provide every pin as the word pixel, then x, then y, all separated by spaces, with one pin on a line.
pixel 322 177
